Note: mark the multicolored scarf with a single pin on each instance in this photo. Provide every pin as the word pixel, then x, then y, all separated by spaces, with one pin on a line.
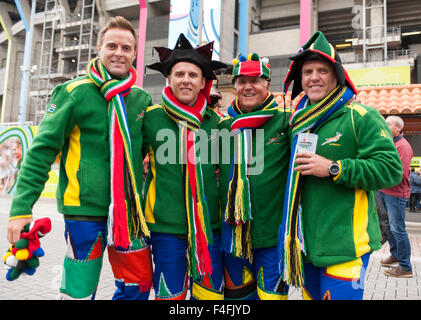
pixel 189 120
pixel 290 237
pixel 236 237
pixel 125 219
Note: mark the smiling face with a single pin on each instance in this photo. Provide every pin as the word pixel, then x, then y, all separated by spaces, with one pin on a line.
pixel 318 79
pixel 251 91
pixel 117 51
pixel 186 81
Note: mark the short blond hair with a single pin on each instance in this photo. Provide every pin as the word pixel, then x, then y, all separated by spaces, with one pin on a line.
pixel 117 22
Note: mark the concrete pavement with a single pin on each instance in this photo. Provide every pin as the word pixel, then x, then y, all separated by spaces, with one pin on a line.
pixel 45 283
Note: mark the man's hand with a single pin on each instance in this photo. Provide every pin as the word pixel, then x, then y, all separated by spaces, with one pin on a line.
pixel 312 164
pixel 14 227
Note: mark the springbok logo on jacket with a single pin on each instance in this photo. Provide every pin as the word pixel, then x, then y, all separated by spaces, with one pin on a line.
pixel 333 139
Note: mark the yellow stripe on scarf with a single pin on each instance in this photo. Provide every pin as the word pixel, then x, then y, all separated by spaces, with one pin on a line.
pixel 295 272
pixel 139 211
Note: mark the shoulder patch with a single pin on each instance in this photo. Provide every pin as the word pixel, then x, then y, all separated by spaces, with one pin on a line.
pixel 157 106
pixel 224 118
pixel 51 108
pixel 77 83
pixel 359 108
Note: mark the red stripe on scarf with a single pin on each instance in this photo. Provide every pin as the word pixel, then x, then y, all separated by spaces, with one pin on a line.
pixel 249 122
pixel 120 209
pixel 204 260
pixel 95 73
pixel 124 89
pixel 196 111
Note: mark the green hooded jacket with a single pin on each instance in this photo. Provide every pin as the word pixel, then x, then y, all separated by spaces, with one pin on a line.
pixel 340 221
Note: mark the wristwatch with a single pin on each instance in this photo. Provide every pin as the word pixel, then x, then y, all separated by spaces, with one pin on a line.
pixel 334 169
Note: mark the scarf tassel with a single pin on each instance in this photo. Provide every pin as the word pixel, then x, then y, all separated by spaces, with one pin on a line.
pixel 236 211
pixel 145 286
pixel 205 261
pixel 243 241
pixel 202 262
pixel 198 256
pixel 141 218
pixel 236 238
pixel 204 223
pixel 120 230
pixel 294 268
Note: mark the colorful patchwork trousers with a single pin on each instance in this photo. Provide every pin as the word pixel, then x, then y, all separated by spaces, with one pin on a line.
pixel 259 280
pixel 170 279
pixel 344 281
pixel 86 242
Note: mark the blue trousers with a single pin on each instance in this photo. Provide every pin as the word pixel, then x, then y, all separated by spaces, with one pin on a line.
pixel 343 281
pixel 170 279
pixel 257 280
pixel 400 247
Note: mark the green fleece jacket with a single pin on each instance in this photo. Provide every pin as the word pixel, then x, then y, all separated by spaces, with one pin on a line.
pixel 76 124
pixel 164 203
pixel 340 221
pixel 267 180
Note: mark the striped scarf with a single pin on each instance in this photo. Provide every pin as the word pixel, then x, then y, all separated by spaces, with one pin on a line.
pixel 125 219
pixel 290 237
pixel 189 119
pixel 236 237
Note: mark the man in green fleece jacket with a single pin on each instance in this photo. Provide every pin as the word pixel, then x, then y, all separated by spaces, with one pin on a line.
pixel 342 151
pixel 252 184
pixel 77 125
pixel 181 197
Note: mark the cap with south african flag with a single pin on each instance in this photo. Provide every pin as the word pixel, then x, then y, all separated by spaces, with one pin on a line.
pixel 252 66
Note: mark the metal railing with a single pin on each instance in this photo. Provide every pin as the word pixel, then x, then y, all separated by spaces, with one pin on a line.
pixel 392 55
pixel 400 54
pixel 75 42
pixel 377 32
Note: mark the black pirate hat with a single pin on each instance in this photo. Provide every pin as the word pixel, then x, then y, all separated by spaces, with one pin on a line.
pixel 183 51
